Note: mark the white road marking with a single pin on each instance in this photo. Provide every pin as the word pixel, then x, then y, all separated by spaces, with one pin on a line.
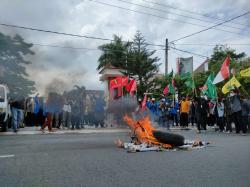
pixel 6 156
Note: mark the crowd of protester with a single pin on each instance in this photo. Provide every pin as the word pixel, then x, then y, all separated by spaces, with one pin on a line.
pixel 222 113
pixel 55 112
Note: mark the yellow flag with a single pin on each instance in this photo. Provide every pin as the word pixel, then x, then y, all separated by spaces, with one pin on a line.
pixel 233 82
pixel 245 72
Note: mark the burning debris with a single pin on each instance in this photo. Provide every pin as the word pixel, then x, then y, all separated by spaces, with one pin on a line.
pixel 147 138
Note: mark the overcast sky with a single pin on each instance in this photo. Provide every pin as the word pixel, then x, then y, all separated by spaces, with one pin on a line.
pixel 67 67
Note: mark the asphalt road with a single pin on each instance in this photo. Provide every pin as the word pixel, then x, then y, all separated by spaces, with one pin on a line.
pixel 94 160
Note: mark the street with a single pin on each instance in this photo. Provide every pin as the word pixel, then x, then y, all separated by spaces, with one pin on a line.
pixel 94 160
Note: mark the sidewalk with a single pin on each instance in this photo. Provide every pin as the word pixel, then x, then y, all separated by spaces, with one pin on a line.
pixel 87 130
pixel 36 130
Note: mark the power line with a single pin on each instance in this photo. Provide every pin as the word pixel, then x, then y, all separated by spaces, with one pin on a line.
pixel 65 47
pixel 158 16
pixel 200 44
pixel 96 49
pixel 184 51
pixel 55 32
pixel 69 34
pixel 181 15
pixel 191 12
pixel 218 24
pixel 82 48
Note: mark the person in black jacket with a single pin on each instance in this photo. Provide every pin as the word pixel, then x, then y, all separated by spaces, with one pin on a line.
pixel 201 112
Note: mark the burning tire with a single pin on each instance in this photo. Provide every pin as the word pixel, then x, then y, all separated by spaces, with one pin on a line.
pixel 169 138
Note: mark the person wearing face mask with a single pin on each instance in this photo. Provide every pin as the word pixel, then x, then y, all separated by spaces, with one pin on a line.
pixel 234 98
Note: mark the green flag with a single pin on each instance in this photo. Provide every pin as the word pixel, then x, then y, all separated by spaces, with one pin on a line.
pixel 171 89
pixel 210 88
pixel 170 75
pixel 186 76
pixel 189 82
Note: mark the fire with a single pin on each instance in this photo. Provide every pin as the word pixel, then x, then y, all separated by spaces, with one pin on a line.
pixel 143 131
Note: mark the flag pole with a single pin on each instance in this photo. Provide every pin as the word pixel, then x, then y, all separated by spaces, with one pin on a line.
pixel 193 84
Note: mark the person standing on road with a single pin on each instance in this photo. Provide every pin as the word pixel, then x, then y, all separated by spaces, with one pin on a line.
pixel 66 114
pixel 245 112
pixel 152 105
pixel 237 111
pixel 175 113
pixel 201 112
pixel 184 110
pixel 17 113
pixel 220 119
pixel 192 112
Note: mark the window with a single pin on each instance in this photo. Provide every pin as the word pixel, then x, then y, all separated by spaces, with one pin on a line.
pixel 2 95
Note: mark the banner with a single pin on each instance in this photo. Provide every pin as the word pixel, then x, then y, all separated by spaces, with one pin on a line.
pixel 245 72
pixel 233 82
pixel 184 65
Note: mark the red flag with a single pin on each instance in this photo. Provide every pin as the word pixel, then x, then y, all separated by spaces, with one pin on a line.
pixel 143 105
pixel 173 83
pixel 115 83
pixel 165 91
pixel 224 71
pixel 124 81
pixel 118 83
pixel 129 86
pixel 133 87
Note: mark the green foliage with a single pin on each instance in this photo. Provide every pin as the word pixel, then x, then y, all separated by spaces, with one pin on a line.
pixel 141 65
pixel 12 65
pixel 219 54
pixel 134 57
pixel 114 53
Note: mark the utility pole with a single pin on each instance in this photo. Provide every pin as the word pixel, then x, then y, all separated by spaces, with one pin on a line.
pixel 166 57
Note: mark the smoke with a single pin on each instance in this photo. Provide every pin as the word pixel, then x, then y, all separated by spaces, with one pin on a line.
pixel 122 106
pixel 56 86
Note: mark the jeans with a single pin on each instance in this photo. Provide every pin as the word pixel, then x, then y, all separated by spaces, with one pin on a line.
pixel 17 115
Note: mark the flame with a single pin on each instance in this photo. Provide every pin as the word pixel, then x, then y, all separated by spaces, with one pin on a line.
pixel 143 131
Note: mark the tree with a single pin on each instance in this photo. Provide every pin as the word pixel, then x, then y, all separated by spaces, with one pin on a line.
pixel 12 65
pixel 220 52
pixel 113 53
pixel 141 64
pixel 134 57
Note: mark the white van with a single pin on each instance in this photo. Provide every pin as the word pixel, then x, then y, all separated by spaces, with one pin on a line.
pixel 5 112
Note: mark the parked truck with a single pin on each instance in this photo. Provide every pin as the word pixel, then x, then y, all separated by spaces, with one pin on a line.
pixel 5 112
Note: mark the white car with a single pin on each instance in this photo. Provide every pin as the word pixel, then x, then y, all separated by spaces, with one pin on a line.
pixel 5 112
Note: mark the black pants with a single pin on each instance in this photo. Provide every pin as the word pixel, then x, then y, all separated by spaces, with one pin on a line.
pixel 184 119
pixel 192 120
pixel 229 120
pixel 237 121
pixel 220 123
pixel 211 120
pixel 175 119
pixel 201 121
pixel 244 124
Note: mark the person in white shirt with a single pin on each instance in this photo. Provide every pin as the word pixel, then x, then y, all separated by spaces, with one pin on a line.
pixel 66 115
pixel 220 119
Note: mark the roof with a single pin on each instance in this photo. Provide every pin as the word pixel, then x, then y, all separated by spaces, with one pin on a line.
pixel 108 66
